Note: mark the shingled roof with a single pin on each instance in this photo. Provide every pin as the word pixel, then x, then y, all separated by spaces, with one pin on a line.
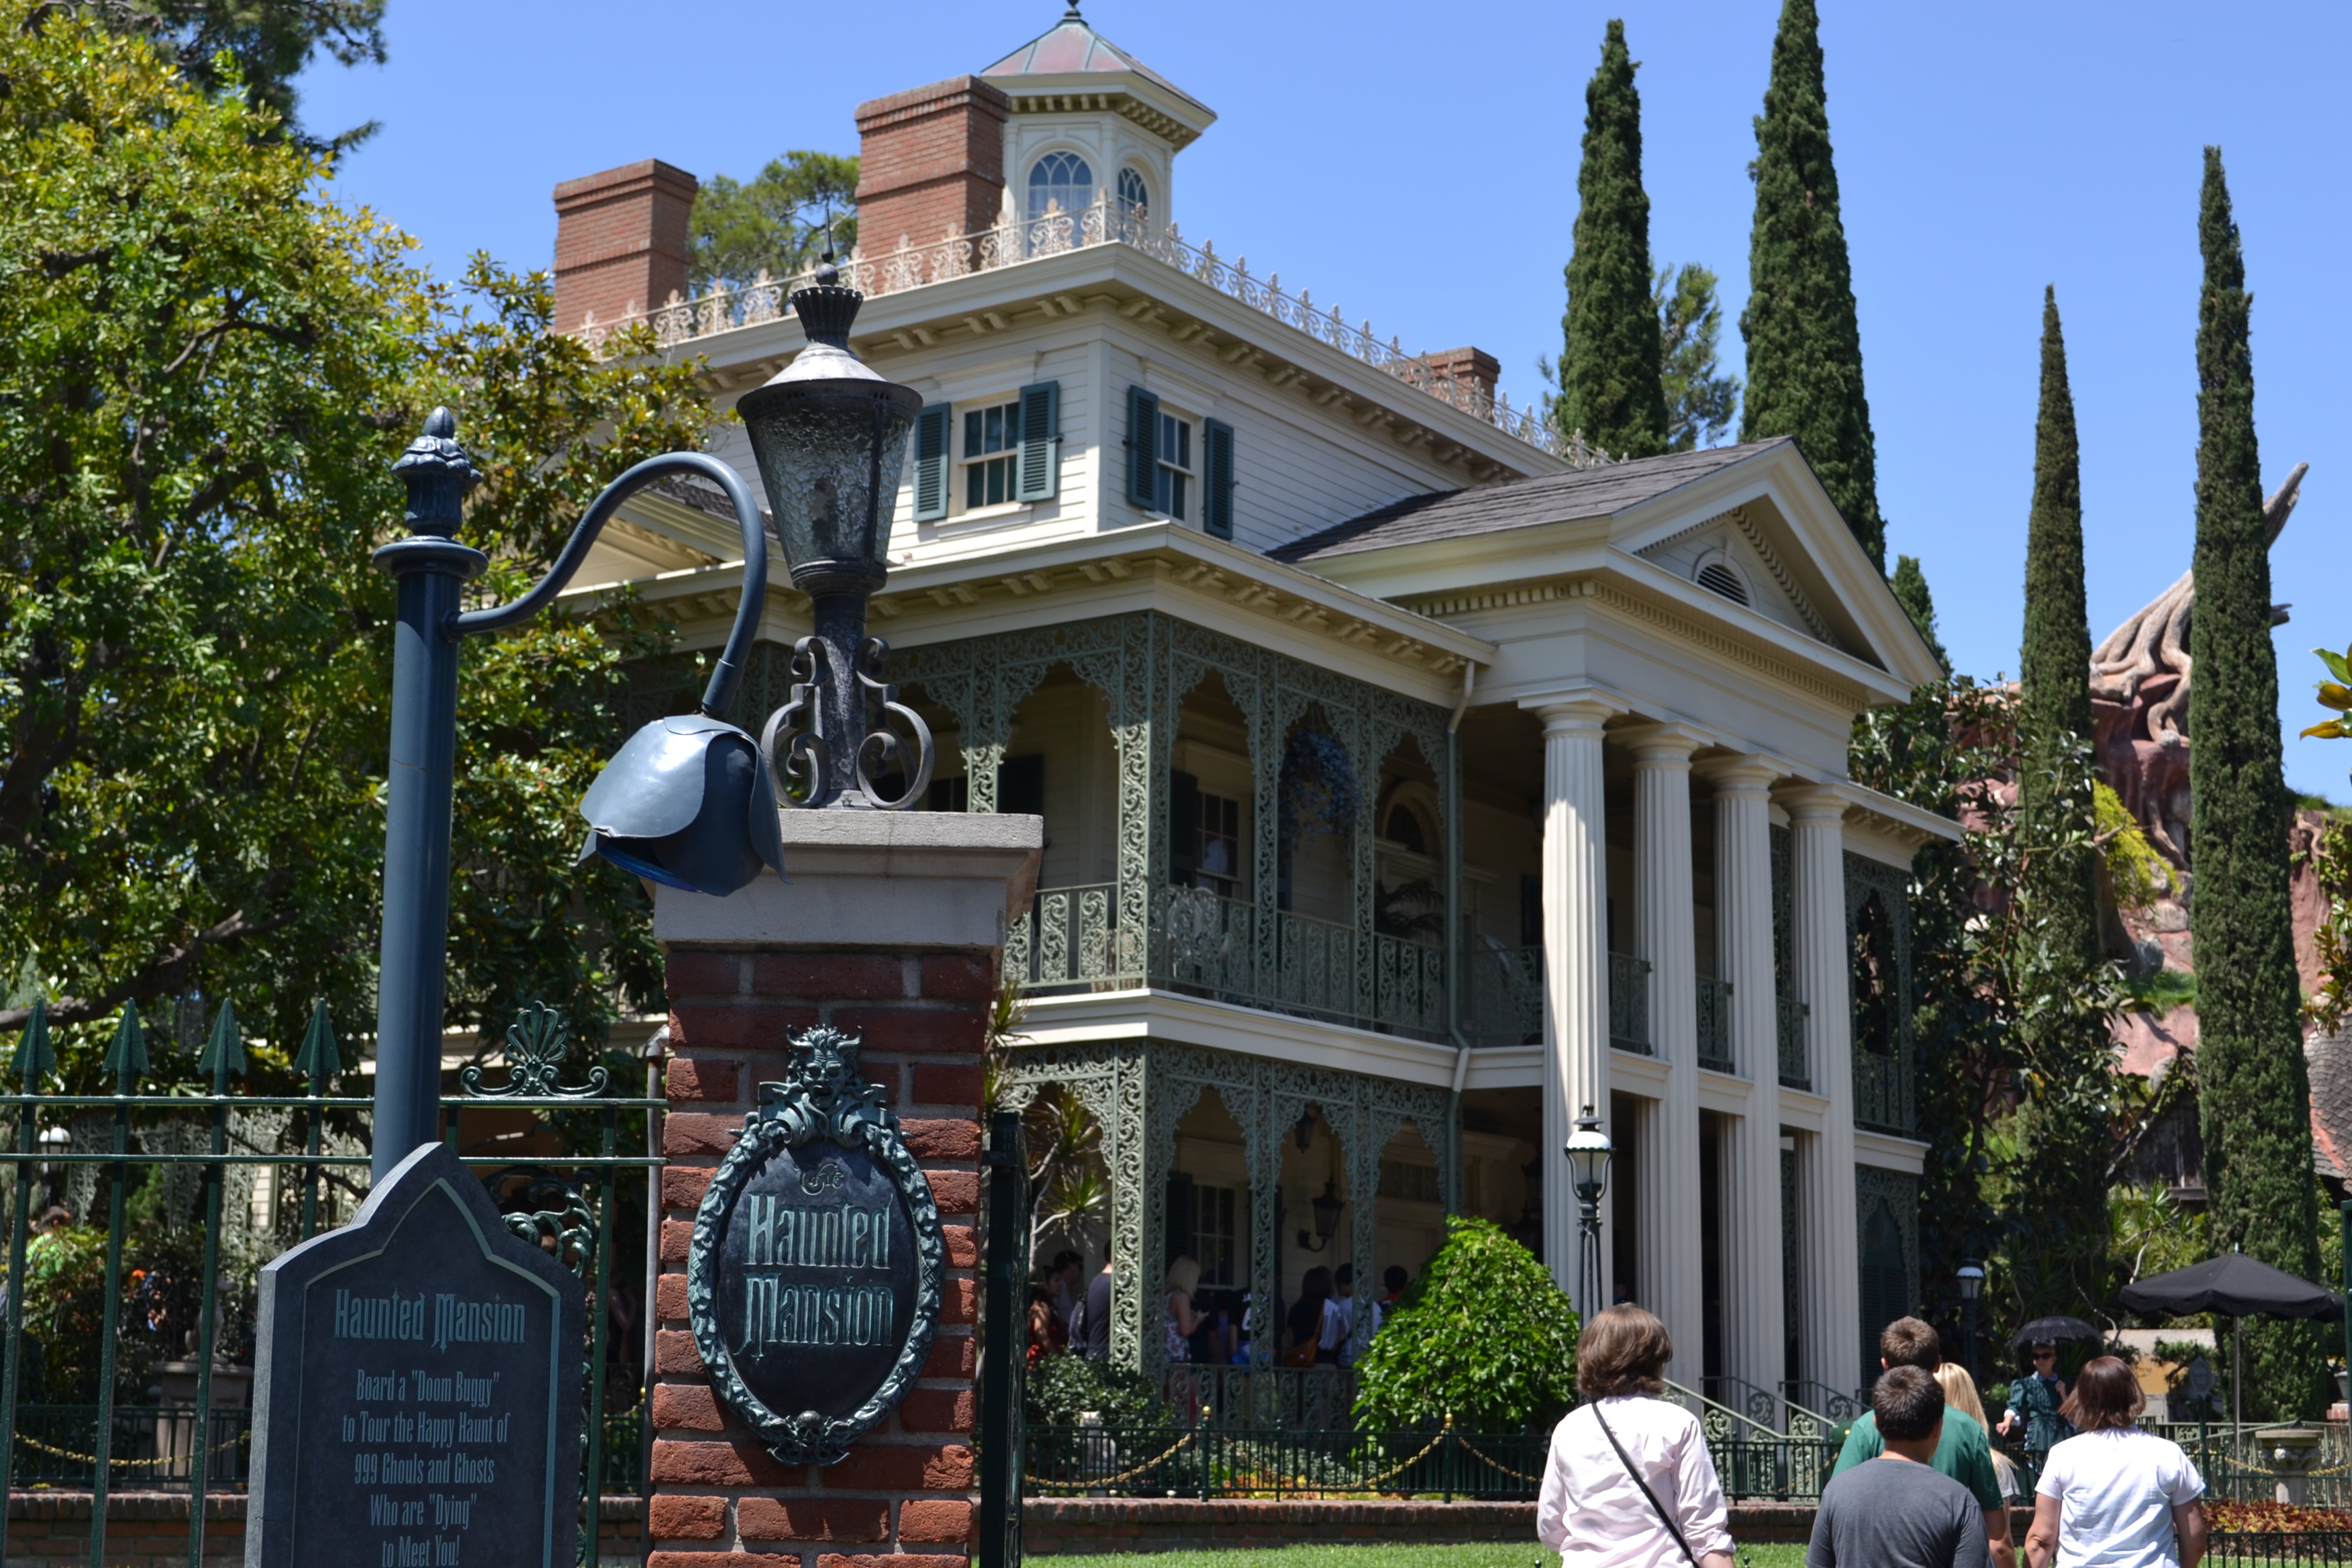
pixel 1519 503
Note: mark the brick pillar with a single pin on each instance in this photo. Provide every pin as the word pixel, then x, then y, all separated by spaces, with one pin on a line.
pixel 892 929
pixel 929 159
pixel 620 241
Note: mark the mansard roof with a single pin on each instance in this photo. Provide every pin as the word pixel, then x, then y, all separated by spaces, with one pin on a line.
pixel 1071 48
pixel 1520 503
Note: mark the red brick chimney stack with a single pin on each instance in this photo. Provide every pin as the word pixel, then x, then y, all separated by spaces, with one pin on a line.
pixel 620 241
pixel 929 159
pixel 1466 367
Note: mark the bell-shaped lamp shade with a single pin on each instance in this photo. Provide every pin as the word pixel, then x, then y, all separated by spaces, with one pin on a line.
pixel 1588 1157
pixel 1971 1278
pixel 830 438
pixel 1327 1211
pixel 688 803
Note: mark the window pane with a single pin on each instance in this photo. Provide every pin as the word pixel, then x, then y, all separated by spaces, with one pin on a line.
pixel 1184 447
pixel 973 483
pixel 995 431
pixel 996 481
pixel 971 448
pixel 1161 499
pixel 1176 506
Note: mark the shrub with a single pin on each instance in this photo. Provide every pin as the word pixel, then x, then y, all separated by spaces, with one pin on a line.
pixel 1485 1336
pixel 1062 1387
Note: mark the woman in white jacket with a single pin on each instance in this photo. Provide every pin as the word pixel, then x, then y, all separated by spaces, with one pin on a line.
pixel 1620 1442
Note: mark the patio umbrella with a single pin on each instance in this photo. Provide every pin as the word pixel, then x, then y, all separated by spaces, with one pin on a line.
pixel 2233 1285
pixel 2055 1331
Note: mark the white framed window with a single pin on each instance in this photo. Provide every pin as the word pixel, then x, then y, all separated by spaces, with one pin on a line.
pixel 1134 195
pixel 1216 1241
pixel 1060 180
pixel 992 451
pixel 1174 452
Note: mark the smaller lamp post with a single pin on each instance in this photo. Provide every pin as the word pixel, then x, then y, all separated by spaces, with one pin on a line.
pixel 1588 1152
pixel 1970 1277
pixel 55 1142
pixel 1326 1218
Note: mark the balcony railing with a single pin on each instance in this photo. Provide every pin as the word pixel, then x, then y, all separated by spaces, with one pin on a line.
pixel 1503 993
pixel 909 265
pixel 1715 1025
pixel 1793 1014
pixel 1204 942
pixel 1629 1004
pixel 1882 1091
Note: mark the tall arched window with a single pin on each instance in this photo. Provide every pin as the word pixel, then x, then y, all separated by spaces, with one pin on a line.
pixel 1062 180
pixel 1134 195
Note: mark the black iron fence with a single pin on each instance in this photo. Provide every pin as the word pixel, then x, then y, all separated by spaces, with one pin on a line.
pixel 137 1223
pixel 2278 1548
pixel 1230 1462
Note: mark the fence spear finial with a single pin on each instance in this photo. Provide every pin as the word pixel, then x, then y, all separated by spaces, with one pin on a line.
pixel 224 1056
pixel 34 1059
pixel 319 1059
pixel 127 1057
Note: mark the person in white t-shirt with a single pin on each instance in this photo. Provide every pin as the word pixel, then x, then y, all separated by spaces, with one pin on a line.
pixel 2113 1496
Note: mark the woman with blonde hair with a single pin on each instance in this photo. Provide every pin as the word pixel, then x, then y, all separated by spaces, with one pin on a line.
pixel 1628 1483
pixel 1960 1395
pixel 1184 1319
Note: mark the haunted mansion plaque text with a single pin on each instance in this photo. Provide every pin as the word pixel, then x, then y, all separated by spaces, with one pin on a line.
pixel 419 1398
pixel 815 1276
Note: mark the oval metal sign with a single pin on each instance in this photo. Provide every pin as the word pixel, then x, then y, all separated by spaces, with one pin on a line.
pixel 813 1279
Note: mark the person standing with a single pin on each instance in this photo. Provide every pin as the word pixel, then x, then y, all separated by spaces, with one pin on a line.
pixel 1337 1346
pixel 1962 1451
pixel 2114 1495
pixel 1961 1398
pixel 1306 1317
pixel 1091 1324
pixel 1396 1279
pixel 1628 1483
pixel 1897 1510
pixel 1184 1319
pixel 2035 1405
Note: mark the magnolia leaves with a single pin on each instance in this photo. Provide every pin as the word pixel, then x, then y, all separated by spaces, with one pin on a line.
pixel 2336 694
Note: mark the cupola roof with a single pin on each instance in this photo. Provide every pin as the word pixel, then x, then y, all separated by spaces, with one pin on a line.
pixel 1070 64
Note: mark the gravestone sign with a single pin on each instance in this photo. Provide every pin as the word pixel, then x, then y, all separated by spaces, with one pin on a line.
pixel 813 1279
pixel 418 1398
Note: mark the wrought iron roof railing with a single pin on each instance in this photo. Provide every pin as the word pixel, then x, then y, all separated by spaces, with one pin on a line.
pixel 681 320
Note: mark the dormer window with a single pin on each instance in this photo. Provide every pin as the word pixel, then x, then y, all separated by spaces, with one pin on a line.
pixel 1134 195
pixel 1060 180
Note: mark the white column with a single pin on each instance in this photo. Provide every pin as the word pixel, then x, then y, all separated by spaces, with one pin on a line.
pixel 1576 967
pixel 1831 1282
pixel 1754 1333
pixel 1672 1239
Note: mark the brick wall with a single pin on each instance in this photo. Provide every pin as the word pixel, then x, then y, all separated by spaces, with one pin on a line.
pixel 620 241
pixel 929 159
pixel 903 1498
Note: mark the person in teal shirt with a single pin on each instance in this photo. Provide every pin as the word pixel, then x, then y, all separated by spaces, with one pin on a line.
pixel 1962 1451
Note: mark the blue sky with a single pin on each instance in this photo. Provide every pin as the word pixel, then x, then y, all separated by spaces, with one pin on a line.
pixel 1417 166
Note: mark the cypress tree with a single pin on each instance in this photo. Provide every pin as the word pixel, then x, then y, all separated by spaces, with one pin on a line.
pixel 1804 344
pixel 1611 390
pixel 2254 1088
pixel 1910 585
pixel 2054 664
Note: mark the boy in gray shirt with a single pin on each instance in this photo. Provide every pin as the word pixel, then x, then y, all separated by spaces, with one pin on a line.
pixel 1897 1510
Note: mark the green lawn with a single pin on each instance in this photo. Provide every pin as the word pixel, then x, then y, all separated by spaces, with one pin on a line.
pixel 1496 1555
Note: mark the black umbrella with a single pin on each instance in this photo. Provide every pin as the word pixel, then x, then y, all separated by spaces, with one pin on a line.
pixel 2055 1331
pixel 2233 1285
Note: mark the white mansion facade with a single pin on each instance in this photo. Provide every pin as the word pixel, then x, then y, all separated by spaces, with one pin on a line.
pixel 1411 778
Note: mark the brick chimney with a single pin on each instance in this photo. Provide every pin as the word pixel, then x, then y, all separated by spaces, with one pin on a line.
pixel 620 241
pixel 929 159
pixel 1466 367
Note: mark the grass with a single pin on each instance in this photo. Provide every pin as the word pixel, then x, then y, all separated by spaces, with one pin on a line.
pixel 2164 990
pixel 1490 1555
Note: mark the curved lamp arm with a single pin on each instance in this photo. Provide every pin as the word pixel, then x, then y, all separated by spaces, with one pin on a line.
pixel 720 692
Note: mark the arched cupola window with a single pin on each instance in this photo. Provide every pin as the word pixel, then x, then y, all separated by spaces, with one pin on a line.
pixel 1062 180
pixel 1134 195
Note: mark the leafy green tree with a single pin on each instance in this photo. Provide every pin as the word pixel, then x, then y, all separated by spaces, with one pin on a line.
pixel 2054 665
pixel 1701 397
pixel 267 44
pixel 775 220
pixel 1484 1336
pixel 2256 1101
pixel 1610 389
pixel 1804 342
pixel 207 370
pixel 1910 585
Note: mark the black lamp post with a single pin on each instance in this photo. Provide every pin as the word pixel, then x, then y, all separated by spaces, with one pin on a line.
pixel 689 801
pixel 1588 1152
pixel 1326 1218
pixel 1970 1276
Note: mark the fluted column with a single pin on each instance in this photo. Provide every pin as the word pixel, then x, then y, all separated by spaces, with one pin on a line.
pixel 1576 967
pixel 1754 1333
pixel 1672 1238
pixel 1831 1282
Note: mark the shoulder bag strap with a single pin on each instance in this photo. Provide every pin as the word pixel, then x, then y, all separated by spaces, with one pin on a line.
pixel 1652 1497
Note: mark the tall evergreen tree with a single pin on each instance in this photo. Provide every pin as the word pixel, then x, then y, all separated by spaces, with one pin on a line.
pixel 2254 1091
pixel 1910 585
pixel 2054 663
pixel 1611 388
pixel 1804 344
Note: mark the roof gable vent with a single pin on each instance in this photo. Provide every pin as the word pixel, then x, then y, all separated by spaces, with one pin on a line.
pixel 1718 578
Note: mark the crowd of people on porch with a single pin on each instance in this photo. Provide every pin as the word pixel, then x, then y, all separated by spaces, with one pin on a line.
pixel 1071 1312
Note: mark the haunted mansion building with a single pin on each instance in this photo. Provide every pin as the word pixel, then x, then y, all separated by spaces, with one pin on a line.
pixel 1413 777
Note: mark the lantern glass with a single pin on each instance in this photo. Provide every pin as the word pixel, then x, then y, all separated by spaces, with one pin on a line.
pixel 1327 1211
pixel 830 456
pixel 1588 1157
pixel 1971 1276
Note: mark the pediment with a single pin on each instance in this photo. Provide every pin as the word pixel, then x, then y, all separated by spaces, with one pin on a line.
pixel 1733 554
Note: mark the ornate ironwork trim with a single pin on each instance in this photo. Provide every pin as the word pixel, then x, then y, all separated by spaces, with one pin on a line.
pixel 824 1097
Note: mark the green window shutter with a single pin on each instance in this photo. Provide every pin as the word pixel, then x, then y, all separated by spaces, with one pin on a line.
pixel 1142 446
pixel 1039 477
pixel 931 427
pixel 1217 478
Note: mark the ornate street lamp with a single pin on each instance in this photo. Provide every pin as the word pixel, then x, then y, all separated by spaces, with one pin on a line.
pixel 1326 1218
pixel 690 800
pixel 1971 1277
pixel 1588 1152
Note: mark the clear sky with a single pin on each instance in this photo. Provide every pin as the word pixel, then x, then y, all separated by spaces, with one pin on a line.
pixel 1416 164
